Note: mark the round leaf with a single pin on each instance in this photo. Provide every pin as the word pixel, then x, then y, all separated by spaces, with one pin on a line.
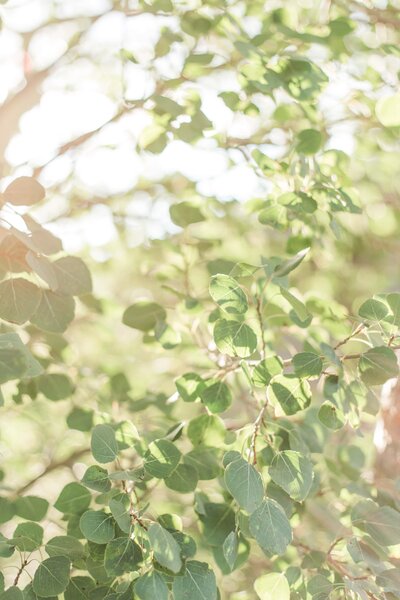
pixel 103 444
pixel 161 458
pixel 52 576
pixel 234 338
pixel 143 315
pixel 97 526
pixel 228 294
pixel 244 484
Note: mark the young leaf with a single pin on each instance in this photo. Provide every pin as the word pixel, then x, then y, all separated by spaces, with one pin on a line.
pixel 151 586
pixel 189 386
pixel 103 444
pixel 331 416
pixel 292 472
pixel 230 548
pixel 52 576
pixel 197 583
pixel 55 386
pixel 307 364
pixel 74 498
pixel 72 275
pixel 290 392
pixel 54 312
pixel 96 478
pixel 65 545
pixel 166 549
pixel 234 338
pixel 270 526
pixel 272 586
pixel 266 369
pixel 122 555
pixel 228 294
pixel 183 479
pixel 28 536
pixel 31 508
pixel 292 263
pixel 161 458
pixel 143 315
pixel 244 484
pixel 373 310
pixel 97 526
pixel 377 365
pixel 217 397
pixel 19 299
pixel 120 509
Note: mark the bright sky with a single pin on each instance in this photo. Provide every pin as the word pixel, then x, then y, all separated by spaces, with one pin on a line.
pixel 84 93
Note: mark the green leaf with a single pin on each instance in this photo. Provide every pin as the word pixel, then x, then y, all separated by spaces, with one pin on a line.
pixel 55 386
pixel 54 312
pixel 387 110
pixel 309 141
pixel 151 586
pixel 80 419
pixel 272 586
pixel 290 392
pixel 189 386
pixel 293 473
pixel 13 593
pixel 331 416
pixel 197 583
pixel 286 267
pixel 217 397
pixel 205 461
pixel 31 508
pixel 19 299
pixel 382 523
pixel 373 310
pixel 52 576
pixel 166 549
pixel 394 302
pixel 144 315
pixel 228 294
pixel 185 213
pixel 207 430
pixel 266 369
pixel 65 545
pixel 244 483
pixel 103 444
pixel 28 536
pixel 13 362
pixel 183 479
pixel 79 588
pixel 230 548
pixel 218 520
pixel 122 555
pixel 96 478
pixel 120 508
pixel 377 365
pixel 73 276
pixel 275 215
pixel 74 498
pixel 161 458
pixel 270 527
pixel 298 306
pixel 307 364
pixel 97 526
pixel 24 191
pixel 234 338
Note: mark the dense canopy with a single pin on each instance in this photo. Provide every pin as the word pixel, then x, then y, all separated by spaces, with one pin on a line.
pixel 199 300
